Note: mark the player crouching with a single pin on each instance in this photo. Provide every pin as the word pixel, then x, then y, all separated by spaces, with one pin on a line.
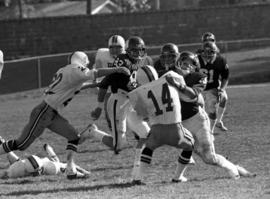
pixel 159 102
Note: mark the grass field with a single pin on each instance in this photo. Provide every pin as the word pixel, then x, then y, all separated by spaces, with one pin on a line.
pixel 247 143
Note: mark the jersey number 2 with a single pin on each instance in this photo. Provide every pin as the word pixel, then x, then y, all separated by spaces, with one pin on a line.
pixel 165 98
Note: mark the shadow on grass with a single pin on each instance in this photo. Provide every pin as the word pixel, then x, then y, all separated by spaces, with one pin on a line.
pixel 27 181
pixel 196 180
pixel 71 189
pixel 101 150
pixel 111 168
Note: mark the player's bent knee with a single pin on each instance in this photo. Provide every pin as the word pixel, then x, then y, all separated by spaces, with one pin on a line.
pixel 209 157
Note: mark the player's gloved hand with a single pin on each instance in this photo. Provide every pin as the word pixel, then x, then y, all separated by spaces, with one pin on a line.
pixel 123 70
pixel 95 114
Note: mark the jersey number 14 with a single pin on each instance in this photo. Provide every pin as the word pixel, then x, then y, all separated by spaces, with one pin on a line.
pixel 165 99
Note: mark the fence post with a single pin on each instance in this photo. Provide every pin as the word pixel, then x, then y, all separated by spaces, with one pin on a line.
pixel 39 72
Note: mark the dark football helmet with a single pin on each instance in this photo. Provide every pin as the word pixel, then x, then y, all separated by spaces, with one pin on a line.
pixel 135 48
pixel 209 51
pixel 208 36
pixel 168 55
pixel 188 62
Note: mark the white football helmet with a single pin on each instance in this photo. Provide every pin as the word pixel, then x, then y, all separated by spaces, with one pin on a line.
pixel 80 58
pixel 116 45
pixel 146 74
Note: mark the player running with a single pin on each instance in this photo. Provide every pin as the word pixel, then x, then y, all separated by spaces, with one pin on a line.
pixel 66 83
pixel 104 59
pixel 132 59
pixel 195 119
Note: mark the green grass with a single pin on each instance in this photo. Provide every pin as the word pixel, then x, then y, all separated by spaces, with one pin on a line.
pixel 247 144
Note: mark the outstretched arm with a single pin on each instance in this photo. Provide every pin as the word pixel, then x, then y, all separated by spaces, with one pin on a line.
pixel 107 71
pixel 181 86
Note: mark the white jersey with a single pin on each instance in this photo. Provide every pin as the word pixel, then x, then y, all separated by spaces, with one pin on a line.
pixel 1 57
pixel 66 83
pixel 37 166
pixel 158 101
pixel 103 58
pixel 1 62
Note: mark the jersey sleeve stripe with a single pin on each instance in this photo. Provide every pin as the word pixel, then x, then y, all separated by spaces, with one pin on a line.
pixel 148 73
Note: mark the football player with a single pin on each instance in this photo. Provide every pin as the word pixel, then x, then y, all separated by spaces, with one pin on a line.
pixel 36 166
pixel 104 59
pixel 1 63
pixel 167 58
pixel 66 83
pixel 159 102
pixel 131 59
pixel 127 117
pixel 217 70
pixel 195 119
pixel 210 37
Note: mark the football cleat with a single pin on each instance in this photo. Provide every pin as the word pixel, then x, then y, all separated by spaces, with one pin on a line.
pixel 50 152
pixel 72 172
pixel 181 179
pixel 245 173
pixel 77 175
pixel 221 126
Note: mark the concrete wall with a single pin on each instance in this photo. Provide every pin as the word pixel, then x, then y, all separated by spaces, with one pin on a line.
pixel 30 37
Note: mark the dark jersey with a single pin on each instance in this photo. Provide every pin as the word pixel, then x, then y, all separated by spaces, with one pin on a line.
pixel 216 70
pixel 123 60
pixel 116 81
pixel 161 70
pixel 198 82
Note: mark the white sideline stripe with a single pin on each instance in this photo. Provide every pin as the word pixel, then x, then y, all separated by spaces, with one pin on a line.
pixel 249 85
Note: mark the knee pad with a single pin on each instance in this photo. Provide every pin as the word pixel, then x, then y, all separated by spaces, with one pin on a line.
pixel 208 155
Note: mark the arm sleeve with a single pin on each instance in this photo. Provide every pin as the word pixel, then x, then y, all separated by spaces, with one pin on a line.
pixel 225 70
pixel 105 82
pixel 82 74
